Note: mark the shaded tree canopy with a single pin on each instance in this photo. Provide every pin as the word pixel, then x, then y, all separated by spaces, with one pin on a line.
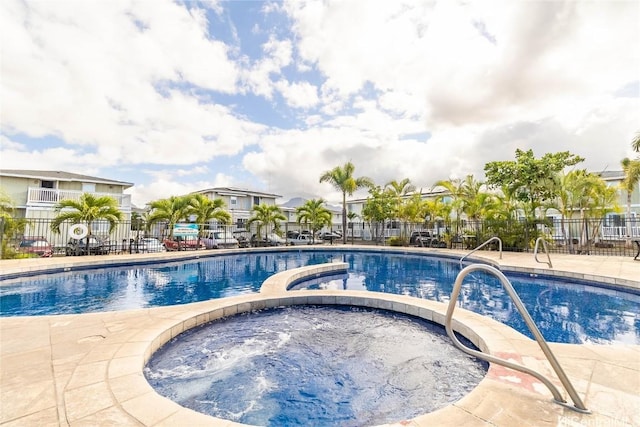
pixel 530 180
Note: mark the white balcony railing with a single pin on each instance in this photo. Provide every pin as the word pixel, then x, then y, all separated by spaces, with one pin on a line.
pixel 49 197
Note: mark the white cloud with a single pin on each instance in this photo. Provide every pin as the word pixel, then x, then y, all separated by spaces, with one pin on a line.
pixel 298 95
pixel 129 83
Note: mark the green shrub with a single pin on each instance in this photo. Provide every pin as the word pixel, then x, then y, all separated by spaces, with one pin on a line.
pixel 397 241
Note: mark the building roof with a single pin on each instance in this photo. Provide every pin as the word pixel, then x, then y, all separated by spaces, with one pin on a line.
pixel 60 176
pixel 234 191
pixel 431 193
pixel 609 175
pixel 299 201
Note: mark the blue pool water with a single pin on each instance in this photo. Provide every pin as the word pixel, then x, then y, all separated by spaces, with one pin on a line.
pixel 565 312
pixel 314 366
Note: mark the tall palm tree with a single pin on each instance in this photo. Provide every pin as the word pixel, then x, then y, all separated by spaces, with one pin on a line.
pixel 631 170
pixel 86 210
pixel 635 143
pixel 315 214
pixel 172 210
pixel 266 215
pixel 343 180
pixel 206 209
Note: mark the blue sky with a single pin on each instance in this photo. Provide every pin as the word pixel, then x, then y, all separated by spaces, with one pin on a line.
pixel 181 96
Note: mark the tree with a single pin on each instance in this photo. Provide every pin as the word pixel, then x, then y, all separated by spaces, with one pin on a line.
pixel 635 143
pixel 314 214
pixel 343 180
pixel 206 209
pixel 631 170
pixel 454 188
pixel 9 225
pixel 86 210
pixel 398 191
pixel 352 216
pixel 173 210
pixel 265 215
pixel 530 180
pixel 378 207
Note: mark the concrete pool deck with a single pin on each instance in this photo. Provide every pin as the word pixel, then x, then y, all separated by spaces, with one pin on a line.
pixel 86 370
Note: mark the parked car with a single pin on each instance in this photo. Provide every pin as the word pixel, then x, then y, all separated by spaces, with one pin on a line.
pixel 36 246
pixel 149 244
pixel 301 239
pixel 219 240
pixel 413 239
pixel 95 246
pixel 329 235
pixel 275 240
pixel 180 243
pixel 430 242
pixel 242 236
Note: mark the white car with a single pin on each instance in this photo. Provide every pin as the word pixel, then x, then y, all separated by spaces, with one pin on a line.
pixel 150 244
pixel 275 240
pixel 219 240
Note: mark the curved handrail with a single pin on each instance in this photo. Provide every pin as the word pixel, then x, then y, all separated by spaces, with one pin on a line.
pixel 578 405
pixel 546 250
pixel 494 238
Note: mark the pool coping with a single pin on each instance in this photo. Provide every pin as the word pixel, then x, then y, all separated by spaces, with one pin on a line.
pixel 96 364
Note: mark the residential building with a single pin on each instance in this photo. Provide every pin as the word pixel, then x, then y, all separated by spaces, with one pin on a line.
pixel 239 202
pixel 35 194
pixel 615 223
pixel 289 210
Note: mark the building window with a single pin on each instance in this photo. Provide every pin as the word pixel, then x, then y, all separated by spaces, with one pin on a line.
pixel 256 200
pixel 233 201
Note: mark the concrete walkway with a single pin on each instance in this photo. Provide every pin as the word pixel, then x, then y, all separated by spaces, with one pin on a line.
pixel 86 370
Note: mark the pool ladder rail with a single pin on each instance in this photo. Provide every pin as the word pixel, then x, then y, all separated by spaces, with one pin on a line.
pixel 545 246
pixel 493 239
pixel 578 405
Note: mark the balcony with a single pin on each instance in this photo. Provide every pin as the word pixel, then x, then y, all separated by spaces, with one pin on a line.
pixel 48 197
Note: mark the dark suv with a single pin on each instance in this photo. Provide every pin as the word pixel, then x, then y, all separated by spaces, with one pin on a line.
pixel 37 246
pixel 79 247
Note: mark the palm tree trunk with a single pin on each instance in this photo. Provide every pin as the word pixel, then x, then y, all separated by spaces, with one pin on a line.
pixel 344 217
pixel 627 221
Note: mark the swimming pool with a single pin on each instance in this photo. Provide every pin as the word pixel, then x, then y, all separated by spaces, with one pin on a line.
pixel 565 311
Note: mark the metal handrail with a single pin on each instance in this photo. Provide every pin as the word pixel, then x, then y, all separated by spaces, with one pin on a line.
pixel 482 246
pixel 545 246
pixel 578 405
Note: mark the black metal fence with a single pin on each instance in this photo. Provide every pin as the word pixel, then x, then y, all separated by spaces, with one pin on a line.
pixel 575 236
pixel 587 236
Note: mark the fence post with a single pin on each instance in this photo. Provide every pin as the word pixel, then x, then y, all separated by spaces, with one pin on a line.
pixel 1 236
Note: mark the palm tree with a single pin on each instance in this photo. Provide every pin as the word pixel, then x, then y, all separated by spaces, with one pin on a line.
pixel 86 210
pixel 342 179
pixel 635 143
pixel 631 170
pixel 172 210
pixel 265 215
pixel 206 209
pixel 352 216
pixel 399 190
pixel 454 187
pixel 314 214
